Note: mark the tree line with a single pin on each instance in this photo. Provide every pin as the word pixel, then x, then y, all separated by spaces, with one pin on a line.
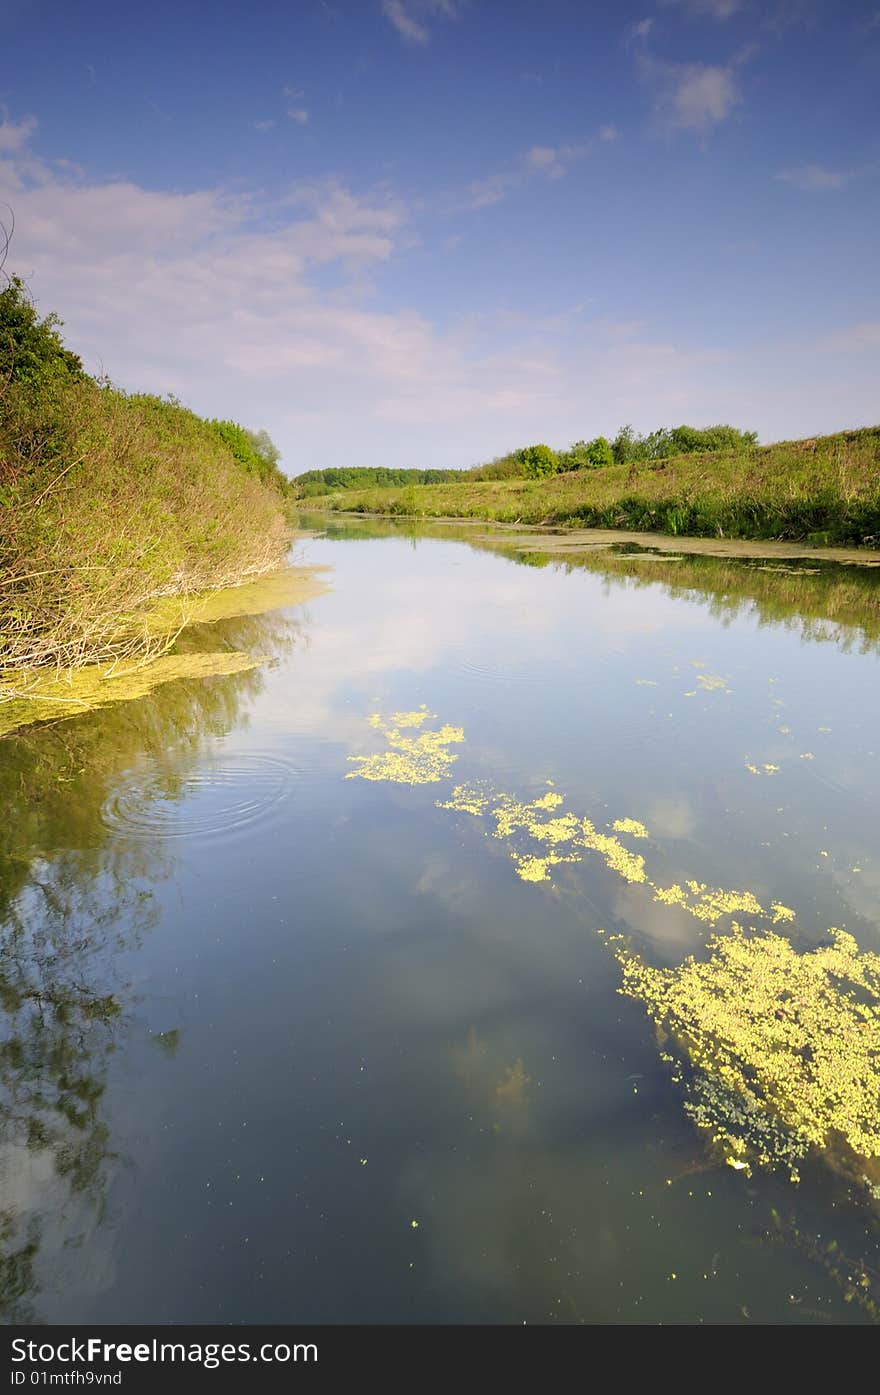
pixel 537 461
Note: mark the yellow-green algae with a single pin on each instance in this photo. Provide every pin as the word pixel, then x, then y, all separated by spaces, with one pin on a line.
pixel 713 683
pixel 781 913
pixel 708 903
pixel 564 835
pixel 560 836
pixel 785 1046
pixel 409 719
pixel 52 695
pixel 410 760
pixel 466 799
pixel 49 693
pixel 779 1052
pixel 272 591
pixel 638 830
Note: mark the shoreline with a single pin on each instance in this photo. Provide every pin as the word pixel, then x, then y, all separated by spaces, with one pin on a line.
pixel 55 694
pixel 560 539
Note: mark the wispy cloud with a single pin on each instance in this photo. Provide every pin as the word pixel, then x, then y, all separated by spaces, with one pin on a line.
pixel 296 109
pixel 692 96
pixel 269 305
pixel 640 30
pixel 554 160
pixel 263 125
pixel 271 309
pixel 482 193
pixel 814 177
pixel 550 161
pixel 14 135
pixel 714 9
pixel 855 339
pixel 411 18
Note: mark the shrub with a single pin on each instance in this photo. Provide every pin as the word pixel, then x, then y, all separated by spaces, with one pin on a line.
pixel 110 502
pixel 255 451
pixel 538 461
pixel 31 349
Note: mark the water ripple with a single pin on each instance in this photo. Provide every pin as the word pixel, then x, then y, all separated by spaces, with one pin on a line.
pixel 224 795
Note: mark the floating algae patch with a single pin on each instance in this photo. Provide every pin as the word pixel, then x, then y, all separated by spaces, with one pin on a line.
pixel 411 719
pixel 713 683
pixel 409 760
pixel 50 695
pixel 273 591
pixel 537 869
pixel 629 865
pixel 707 903
pixel 632 826
pixel 539 833
pixel 783 914
pixel 784 1047
pixel 466 799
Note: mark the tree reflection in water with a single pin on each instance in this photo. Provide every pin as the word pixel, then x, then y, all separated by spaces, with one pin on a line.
pixel 73 895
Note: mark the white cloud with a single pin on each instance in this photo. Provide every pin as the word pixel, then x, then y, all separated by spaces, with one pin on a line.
pixel 263 125
pixel 715 9
pixel 482 193
pixel 271 312
pixel 551 161
pixel 693 96
pixel 855 339
pixel 411 17
pixel 15 135
pixel 554 160
pixel 640 30
pixel 813 177
pixel 298 114
pixel 259 313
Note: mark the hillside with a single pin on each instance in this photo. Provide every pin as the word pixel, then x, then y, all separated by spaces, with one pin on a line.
pixel 821 490
pixel 110 501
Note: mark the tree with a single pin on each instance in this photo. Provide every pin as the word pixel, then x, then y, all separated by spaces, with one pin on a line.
pixel 538 461
pixel 31 349
pixel 626 446
pixel 255 451
pixel 599 453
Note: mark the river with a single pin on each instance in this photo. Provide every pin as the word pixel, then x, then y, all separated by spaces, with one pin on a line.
pixel 309 973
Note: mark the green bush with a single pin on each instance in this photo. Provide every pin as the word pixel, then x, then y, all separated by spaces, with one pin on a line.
pixel 255 451
pixel 110 501
pixel 538 461
pixel 665 442
pixel 31 349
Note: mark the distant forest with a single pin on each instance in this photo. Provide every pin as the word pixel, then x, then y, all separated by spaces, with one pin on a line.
pixel 628 447
pixel 361 477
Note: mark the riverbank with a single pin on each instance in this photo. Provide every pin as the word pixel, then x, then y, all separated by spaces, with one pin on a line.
pixel 821 492
pixel 195 651
pixel 113 504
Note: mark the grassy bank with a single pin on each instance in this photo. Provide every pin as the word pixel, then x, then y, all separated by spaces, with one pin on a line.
pixel 110 502
pixel 824 490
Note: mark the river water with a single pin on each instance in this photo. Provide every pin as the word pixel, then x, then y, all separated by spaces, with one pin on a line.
pixel 280 1045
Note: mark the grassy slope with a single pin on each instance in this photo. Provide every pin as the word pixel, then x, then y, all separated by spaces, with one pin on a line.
pixel 825 490
pixel 107 503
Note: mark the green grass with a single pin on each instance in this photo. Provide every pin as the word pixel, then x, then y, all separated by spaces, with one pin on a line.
pixel 822 491
pixel 108 503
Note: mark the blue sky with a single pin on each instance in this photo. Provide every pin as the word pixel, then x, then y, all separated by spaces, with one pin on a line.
pixel 425 231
